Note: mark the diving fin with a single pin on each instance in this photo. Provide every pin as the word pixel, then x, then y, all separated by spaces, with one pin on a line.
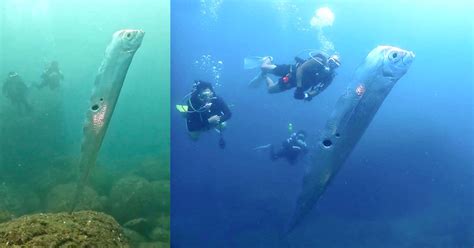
pixel 252 62
pixel 262 147
pixel 257 80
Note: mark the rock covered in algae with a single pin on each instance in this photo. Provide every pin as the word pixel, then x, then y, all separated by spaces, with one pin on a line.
pixel 79 229
pixel 60 199
pixel 5 216
pixel 132 197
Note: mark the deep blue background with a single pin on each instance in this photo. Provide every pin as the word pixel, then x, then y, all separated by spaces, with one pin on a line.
pixel 409 181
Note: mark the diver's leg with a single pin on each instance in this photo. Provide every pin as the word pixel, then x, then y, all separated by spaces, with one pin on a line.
pixel 23 102
pixel 266 67
pixel 291 158
pixel 276 155
pixel 280 71
pixel 273 156
pixel 256 81
pixel 194 135
pixel 23 107
pixel 273 88
pixel 17 105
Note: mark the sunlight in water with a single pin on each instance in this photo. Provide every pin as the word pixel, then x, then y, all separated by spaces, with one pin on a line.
pixel 289 15
pixel 210 67
pixel 211 8
pixel 323 17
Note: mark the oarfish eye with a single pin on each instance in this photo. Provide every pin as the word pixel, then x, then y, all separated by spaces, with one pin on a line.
pixel 395 56
pixel 129 35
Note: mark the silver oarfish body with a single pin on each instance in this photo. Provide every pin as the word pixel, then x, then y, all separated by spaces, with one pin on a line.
pixel 107 86
pixel 354 111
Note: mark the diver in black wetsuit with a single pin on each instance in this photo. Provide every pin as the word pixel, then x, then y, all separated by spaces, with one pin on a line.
pixel 292 148
pixel 16 90
pixel 51 76
pixel 310 77
pixel 206 110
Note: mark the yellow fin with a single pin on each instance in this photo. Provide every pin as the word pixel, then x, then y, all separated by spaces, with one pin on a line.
pixel 182 108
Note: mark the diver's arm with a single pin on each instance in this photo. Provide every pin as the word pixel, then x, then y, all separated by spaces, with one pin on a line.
pixel 226 114
pixel 316 90
pixel 303 146
pixel 309 65
pixel 313 92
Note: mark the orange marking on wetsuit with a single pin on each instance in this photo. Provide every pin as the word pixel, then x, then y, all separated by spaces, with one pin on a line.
pixel 286 79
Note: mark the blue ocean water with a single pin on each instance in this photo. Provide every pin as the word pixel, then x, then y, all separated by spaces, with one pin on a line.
pixel 408 182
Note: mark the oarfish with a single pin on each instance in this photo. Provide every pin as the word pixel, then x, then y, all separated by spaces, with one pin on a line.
pixel 353 112
pixel 107 86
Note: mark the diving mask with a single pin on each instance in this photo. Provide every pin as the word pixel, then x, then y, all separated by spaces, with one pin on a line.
pixel 206 95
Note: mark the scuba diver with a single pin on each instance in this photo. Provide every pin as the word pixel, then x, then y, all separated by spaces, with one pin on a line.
pixel 310 76
pixel 204 111
pixel 292 148
pixel 16 90
pixel 51 76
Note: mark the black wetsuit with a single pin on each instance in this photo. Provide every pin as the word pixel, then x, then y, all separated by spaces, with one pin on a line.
pixel 315 76
pixel 197 119
pixel 291 149
pixel 16 90
pixel 51 77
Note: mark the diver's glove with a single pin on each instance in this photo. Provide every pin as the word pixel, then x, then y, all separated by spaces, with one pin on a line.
pixel 299 93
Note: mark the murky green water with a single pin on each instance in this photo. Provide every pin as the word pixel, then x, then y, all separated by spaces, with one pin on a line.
pixel 40 145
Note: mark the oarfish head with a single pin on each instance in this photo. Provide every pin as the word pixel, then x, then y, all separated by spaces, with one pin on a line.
pixel 395 61
pixel 129 39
